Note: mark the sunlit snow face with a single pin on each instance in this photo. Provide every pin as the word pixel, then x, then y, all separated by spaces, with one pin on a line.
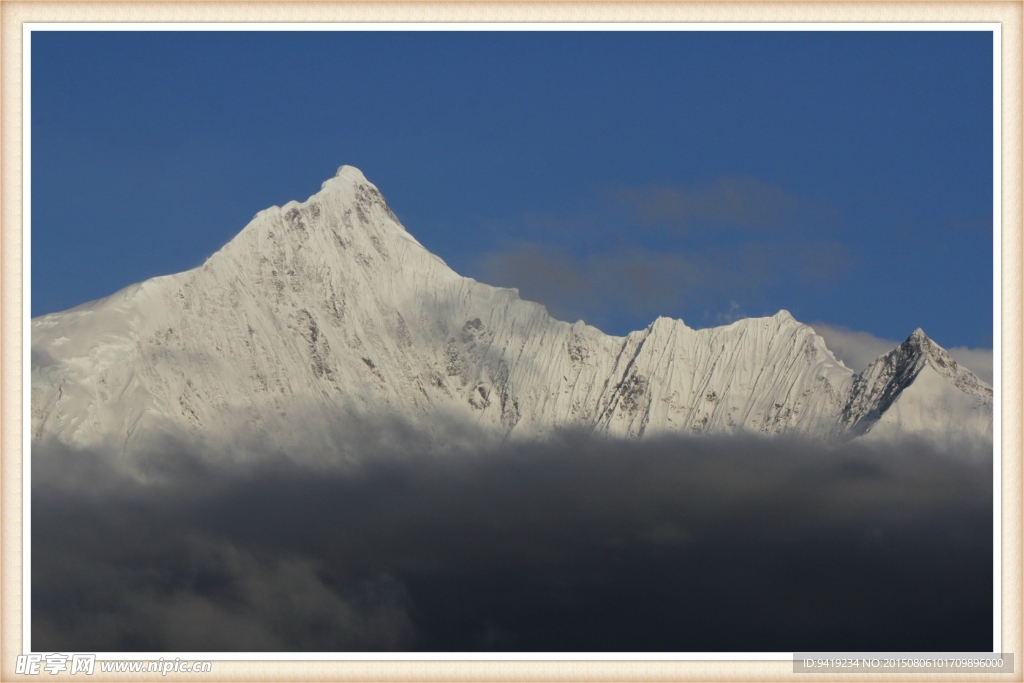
pixel 330 305
pixel 324 438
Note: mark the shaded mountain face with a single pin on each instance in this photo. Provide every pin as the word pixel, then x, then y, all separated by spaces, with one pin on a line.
pixel 328 310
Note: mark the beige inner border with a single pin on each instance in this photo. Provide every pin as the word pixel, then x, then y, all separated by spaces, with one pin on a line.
pixel 14 14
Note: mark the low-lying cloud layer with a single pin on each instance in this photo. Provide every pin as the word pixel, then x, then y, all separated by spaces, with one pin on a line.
pixel 577 544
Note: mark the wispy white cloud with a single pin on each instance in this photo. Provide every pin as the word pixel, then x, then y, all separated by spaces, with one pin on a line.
pixel 855 349
pixel 734 313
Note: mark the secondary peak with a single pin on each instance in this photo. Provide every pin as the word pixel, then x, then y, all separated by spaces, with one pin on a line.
pixel 784 315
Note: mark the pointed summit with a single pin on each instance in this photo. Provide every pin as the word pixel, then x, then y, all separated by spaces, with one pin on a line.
pixel 922 347
pixel 350 172
pixel 347 176
pixel 882 382
pixel 784 317
pixel 350 175
pixel 920 344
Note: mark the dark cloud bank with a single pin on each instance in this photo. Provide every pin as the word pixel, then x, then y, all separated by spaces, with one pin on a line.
pixel 578 544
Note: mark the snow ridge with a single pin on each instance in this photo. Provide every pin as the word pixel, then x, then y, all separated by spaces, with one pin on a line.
pixel 329 308
pixel 882 383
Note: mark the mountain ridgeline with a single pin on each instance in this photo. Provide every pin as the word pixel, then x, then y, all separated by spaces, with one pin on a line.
pixel 329 309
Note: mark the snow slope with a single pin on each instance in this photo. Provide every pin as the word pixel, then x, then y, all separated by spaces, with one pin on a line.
pixel 917 388
pixel 329 307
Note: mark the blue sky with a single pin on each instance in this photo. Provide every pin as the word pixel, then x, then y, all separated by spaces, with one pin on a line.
pixel 844 176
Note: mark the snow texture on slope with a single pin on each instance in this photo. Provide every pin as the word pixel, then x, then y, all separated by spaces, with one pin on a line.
pixel 918 388
pixel 329 309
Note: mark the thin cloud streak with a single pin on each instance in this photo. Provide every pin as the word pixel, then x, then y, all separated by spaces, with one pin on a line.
pixel 644 283
pixel 739 202
pixel 691 252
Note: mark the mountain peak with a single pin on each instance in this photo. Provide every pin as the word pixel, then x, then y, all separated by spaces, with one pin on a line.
pixel 880 385
pixel 919 344
pixel 347 176
pixel 939 359
pixel 918 336
pixel 784 316
pixel 329 307
pixel 350 173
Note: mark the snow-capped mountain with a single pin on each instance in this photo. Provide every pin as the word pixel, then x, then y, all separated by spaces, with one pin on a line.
pixel 917 387
pixel 329 307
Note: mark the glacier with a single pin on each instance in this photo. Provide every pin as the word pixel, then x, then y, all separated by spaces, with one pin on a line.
pixel 329 309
